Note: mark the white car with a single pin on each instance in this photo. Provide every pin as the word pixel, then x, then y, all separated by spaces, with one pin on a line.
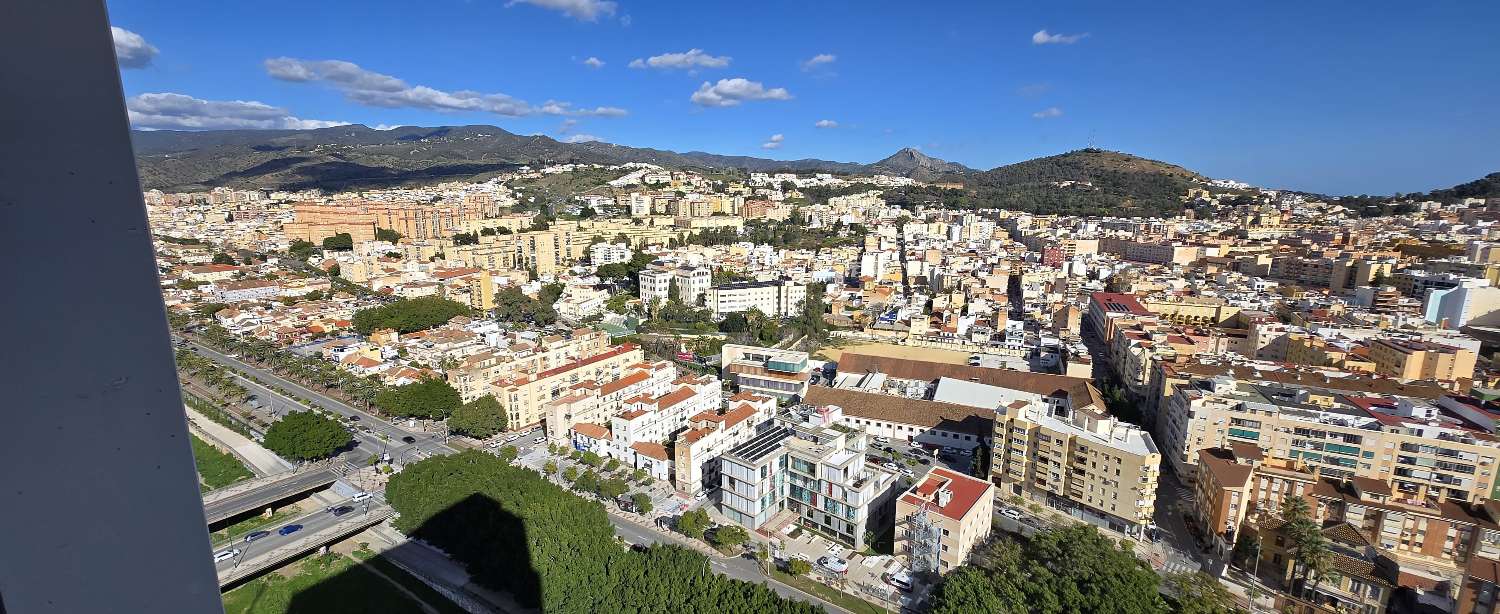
pixel 901 579
pixel 539 439
pixel 833 564
pixel 1011 513
pixel 226 555
pixel 360 496
pixel 882 440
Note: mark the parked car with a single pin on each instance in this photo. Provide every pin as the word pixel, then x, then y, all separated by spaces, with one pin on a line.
pixel 901 579
pixel 256 535
pixel 833 564
pixel 226 555
pixel 360 496
pixel 882 440
pixel 340 510
pixel 1011 513
pixel 539 439
pixel 289 529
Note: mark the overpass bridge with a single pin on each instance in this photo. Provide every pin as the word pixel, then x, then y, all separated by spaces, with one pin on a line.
pixel 319 528
pixel 262 492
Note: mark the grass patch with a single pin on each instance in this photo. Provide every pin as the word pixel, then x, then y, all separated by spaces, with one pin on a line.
pixel 828 593
pixel 420 588
pixel 322 583
pixel 241 528
pixel 216 467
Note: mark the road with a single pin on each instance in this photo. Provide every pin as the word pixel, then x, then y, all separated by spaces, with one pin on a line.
pixel 369 443
pixel 293 484
pixel 312 524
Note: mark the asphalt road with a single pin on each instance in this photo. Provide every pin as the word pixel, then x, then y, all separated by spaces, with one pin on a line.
pixel 368 443
pixel 276 491
pixel 311 522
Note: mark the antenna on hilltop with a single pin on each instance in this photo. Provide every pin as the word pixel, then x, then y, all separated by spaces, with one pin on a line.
pixel 1091 138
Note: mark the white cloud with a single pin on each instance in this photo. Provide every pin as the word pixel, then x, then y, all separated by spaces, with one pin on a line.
pixel 169 111
pixel 826 123
pixel 731 92
pixel 131 49
pixel 582 138
pixel 818 60
pixel 593 62
pixel 1048 113
pixel 377 90
pixel 582 10
pixel 690 59
pixel 1042 37
pixel 774 142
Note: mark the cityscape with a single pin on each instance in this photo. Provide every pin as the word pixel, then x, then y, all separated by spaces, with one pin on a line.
pixel 460 352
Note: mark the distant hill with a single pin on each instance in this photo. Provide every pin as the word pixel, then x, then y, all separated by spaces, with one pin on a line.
pixel 1086 181
pixel 359 156
pixel 914 164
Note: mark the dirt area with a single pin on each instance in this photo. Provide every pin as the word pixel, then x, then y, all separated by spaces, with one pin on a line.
pixel 952 357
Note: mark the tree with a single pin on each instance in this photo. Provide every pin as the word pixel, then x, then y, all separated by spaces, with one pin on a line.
pixel 431 399
pixel 223 258
pixel 508 453
pixel 409 315
pixel 315 295
pixel 465 238
pixel 731 535
pixel 1246 549
pixel 512 305
pixel 1199 593
pixel 341 242
pixel 387 235
pixel 304 436
pixel 612 465
pixel 587 483
pixel 480 418
pixel 799 567
pixel 591 459
pixel 613 488
pixel 693 523
pixel 570 474
pixel 550 467
pixel 334 270
pixel 613 270
pixel 300 249
pixel 642 503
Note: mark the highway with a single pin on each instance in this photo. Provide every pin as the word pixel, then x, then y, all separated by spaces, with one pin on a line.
pixel 289 484
pixel 318 528
pixel 370 443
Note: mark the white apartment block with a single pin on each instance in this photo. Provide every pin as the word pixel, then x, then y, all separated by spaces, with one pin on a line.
pixel 711 434
pixel 609 253
pixel 780 298
pixel 692 284
pixel 635 435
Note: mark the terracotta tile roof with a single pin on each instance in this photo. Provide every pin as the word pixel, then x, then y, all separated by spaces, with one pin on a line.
pixel 633 414
pixel 651 449
pixel 889 408
pixel 587 361
pixel 630 379
pixel 1078 389
pixel 677 396
pixel 966 492
pixel 1227 473
pixel 592 431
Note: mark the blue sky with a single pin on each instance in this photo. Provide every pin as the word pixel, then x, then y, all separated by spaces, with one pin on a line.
pixel 1353 98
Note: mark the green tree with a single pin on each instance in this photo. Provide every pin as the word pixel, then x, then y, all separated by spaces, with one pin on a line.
pixel 480 418
pixel 334 270
pixel 1246 549
pixel 642 503
pixel 613 488
pixel 730 535
pixel 570 474
pixel 508 453
pixel 387 235
pixel 465 238
pixel 340 242
pixel 431 399
pixel 550 467
pixel 612 464
pixel 799 567
pixel 693 523
pixel 223 258
pixel 512 305
pixel 591 459
pixel 304 436
pixel 300 249
pixel 588 482
pixel 409 315
pixel 1199 593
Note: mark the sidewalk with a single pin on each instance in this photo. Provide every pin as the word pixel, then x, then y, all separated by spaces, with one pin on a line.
pixel 260 460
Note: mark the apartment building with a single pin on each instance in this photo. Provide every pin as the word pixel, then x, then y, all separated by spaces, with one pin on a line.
pixel 524 397
pixel 1106 307
pixel 609 253
pixel 510 355
pixel 691 283
pixel 782 374
pixel 779 298
pixel 246 290
pixel 1083 461
pixel 711 434
pixel 807 469
pixel 594 402
pixel 941 518
pixel 635 434
pixel 1422 450
pixel 1421 360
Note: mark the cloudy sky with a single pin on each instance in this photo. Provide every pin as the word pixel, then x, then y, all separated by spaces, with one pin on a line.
pixel 1339 98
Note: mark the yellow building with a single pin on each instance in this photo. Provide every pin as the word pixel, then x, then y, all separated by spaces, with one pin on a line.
pixel 525 396
pixel 1421 360
pixel 941 518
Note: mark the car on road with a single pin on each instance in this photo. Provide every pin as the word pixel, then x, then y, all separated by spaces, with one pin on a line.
pixel 366 430
pixel 833 564
pixel 1011 513
pixel 360 496
pixel 353 418
pixel 409 439
pixel 256 535
pixel 226 555
pixel 925 461
pixel 289 529
pixel 340 510
pixel 539 439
